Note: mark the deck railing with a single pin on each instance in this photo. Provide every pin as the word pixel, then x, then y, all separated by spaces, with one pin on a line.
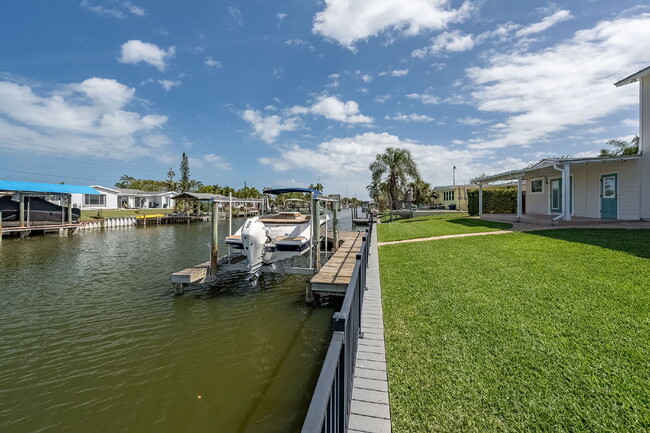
pixel 329 409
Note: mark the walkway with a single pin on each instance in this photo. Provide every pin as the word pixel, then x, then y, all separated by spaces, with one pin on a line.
pixel 370 410
pixel 435 238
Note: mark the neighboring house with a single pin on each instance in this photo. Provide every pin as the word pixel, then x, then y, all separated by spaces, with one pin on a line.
pixel 451 196
pixel 607 187
pixel 123 198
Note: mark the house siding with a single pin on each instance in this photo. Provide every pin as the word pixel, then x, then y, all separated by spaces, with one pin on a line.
pixel 586 189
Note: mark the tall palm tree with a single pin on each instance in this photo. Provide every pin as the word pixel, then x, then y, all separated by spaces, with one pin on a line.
pixel 397 167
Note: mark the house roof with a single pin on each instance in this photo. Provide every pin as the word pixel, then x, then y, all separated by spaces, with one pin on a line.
pixel 549 162
pixel 634 77
pixel 204 196
pixel 47 188
pixel 131 191
pixel 440 188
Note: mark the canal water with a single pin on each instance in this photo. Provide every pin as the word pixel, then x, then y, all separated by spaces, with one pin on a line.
pixel 92 338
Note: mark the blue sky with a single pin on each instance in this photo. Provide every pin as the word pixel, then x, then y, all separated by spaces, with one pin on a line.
pixel 284 93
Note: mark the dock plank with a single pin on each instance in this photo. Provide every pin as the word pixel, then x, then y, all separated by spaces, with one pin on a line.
pixel 336 274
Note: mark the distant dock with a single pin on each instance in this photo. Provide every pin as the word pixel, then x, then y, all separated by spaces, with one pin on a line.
pixel 334 277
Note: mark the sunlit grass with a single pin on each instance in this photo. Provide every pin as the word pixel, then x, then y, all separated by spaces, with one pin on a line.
pixel 520 332
pixel 423 227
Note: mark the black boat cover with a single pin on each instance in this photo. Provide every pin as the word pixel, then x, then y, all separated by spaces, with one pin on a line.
pixel 39 210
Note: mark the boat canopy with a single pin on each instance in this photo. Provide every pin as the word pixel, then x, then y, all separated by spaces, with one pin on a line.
pixel 46 188
pixel 286 190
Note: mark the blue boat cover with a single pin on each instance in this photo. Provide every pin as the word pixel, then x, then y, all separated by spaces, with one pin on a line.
pixel 286 190
pixel 49 188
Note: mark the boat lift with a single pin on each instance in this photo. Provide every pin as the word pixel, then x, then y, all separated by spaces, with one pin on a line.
pixel 206 273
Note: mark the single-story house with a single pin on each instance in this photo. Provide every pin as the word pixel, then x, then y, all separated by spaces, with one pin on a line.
pixel 451 196
pixel 599 187
pixel 124 198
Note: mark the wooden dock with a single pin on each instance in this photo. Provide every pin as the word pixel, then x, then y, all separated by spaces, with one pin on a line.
pixel 24 231
pixel 335 275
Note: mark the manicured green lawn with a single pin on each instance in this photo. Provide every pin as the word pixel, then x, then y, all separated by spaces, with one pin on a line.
pixel 519 332
pixel 89 215
pixel 424 227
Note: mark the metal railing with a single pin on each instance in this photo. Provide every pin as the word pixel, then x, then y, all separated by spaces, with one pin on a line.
pixel 329 410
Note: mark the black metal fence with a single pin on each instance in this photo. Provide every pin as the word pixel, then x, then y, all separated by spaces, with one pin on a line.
pixel 329 409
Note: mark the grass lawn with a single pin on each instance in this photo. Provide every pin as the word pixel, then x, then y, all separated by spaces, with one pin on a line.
pixel 540 331
pixel 423 227
pixel 90 215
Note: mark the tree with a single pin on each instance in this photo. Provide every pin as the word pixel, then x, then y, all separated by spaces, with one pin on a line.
pixel 621 147
pixel 421 191
pixel 126 181
pixel 317 187
pixel 171 185
pixel 378 192
pixel 184 182
pixel 397 167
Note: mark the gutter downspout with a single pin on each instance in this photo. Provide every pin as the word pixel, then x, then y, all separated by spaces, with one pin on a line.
pixel 561 215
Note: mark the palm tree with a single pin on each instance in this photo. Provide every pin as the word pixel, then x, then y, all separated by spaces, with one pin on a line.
pixel 397 167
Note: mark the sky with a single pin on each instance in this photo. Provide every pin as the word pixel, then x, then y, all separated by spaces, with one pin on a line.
pixel 286 93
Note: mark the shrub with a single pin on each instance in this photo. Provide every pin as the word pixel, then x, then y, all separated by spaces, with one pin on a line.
pixel 502 200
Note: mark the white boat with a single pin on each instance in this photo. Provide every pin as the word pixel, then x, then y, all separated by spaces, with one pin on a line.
pixel 270 239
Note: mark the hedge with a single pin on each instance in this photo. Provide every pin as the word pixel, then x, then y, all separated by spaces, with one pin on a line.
pixel 494 201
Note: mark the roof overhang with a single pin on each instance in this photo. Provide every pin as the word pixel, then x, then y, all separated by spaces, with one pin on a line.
pixel 634 77
pixel 546 163
pixel 45 188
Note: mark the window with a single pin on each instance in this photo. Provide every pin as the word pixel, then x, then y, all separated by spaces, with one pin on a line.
pixel 609 187
pixel 537 186
pixel 94 200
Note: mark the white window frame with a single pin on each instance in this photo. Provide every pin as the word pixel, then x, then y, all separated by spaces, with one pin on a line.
pixel 541 179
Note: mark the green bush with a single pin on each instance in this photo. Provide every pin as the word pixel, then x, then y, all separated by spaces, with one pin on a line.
pixel 502 200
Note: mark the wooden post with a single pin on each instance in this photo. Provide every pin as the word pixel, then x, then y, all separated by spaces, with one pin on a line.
pixel 335 224
pixel 315 224
pixel 0 226
pixel 480 199
pixel 22 209
pixel 214 244
pixel 69 208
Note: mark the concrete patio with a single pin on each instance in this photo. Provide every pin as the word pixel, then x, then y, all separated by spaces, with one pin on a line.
pixel 542 222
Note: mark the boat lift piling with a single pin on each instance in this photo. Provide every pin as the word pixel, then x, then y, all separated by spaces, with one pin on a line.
pixel 214 242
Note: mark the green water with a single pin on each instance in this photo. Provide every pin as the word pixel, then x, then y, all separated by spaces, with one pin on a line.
pixel 92 338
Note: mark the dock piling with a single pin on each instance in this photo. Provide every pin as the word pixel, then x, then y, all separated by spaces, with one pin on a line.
pixel 69 208
pixel 22 209
pixel 0 226
pixel 335 225
pixel 214 244
pixel 315 224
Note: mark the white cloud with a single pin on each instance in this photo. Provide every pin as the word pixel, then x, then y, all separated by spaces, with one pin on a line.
pixel 547 22
pixel 117 9
pixel 332 108
pixel 279 73
pixel 216 161
pixel 425 98
pixel 88 118
pixel 349 21
pixel 345 161
pixel 212 63
pixel 136 51
pixel 366 78
pixel 281 18
pixel 268 128
pixel 568 84
pixel 411 117
pixel 300 43
pixel 168 84
pixel 631 123
pixel 235 14
pixel 382 98
pixel 453 41
pixel 471 121
pixel 394 72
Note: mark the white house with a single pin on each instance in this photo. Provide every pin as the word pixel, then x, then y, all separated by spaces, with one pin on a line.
pixel 123 198
pixel 607 188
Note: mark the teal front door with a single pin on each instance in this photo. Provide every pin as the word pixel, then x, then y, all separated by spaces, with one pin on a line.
pixel 609 196
pixel 556 195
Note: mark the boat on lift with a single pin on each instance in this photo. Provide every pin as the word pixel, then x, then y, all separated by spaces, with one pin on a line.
pixel 270 239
